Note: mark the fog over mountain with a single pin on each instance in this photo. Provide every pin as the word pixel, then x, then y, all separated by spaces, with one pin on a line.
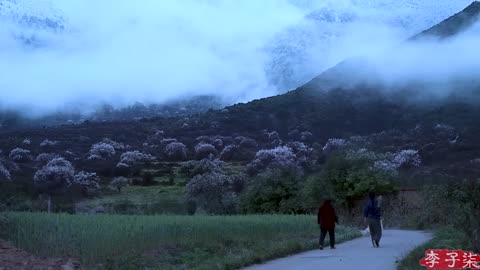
pixel 57 54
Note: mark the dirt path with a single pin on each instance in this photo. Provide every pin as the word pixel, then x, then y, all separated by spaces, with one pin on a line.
pixel 355 254
pixel 12 258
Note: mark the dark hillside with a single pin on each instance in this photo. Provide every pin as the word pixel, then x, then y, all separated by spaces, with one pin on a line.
pixel 453 25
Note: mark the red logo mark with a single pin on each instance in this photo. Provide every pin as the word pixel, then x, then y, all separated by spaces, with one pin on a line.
pixel 450 259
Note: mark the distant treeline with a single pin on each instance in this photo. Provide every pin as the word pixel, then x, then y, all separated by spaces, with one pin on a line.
pixel 12 118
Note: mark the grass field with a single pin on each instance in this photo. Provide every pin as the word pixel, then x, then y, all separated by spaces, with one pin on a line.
pixel 446 238
pixel 164 242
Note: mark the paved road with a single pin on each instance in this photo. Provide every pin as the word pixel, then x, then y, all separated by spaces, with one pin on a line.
pixel 355 254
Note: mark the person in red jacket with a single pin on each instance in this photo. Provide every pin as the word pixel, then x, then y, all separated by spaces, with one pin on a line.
pixel 327 218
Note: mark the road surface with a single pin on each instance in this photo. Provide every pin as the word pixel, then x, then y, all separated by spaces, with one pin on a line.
pixel 355 254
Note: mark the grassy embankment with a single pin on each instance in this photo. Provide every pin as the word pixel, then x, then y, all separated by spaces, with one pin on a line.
pixel 446 238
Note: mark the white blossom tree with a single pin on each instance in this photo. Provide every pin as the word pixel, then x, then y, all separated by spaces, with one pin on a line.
pixel 204 166
pixel 101 150
pixel 203 150
pixel 118 183
pixel 333 144
pixel 280 158
pixel 57 174
pixel 176 151
pixel 88 181
pixel 42 159
pixel 20 155
pixel 116 145
pixel 48 143
pixel 212 192
pixel 134 158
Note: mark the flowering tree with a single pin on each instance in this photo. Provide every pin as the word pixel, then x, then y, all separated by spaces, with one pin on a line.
pixel 88 181
pixel 42 159
pixel 176 151
pixel 27 142
pixel 204 166
pixel 333 144
pixel 156 138
pixel 281 158
pixel 203 150
pixel 48 143
pixel 272 137
pixel 57 174
pixel 118 183
pixel 134 158
pixel 305 156
pixel 116 145
pixel 395 161
pixel 212 193
pixel 20 155
pixel 101 151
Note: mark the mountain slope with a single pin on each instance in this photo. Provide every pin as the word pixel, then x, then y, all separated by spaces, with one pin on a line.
pixel 453 25
pixel 446 130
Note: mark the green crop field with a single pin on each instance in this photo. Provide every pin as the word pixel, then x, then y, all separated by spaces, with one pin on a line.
pixel 163 242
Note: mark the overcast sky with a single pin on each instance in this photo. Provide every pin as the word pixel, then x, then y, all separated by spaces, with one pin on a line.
pixel 55 53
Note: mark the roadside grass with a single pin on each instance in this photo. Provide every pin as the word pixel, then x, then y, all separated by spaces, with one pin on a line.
pixel 445 238
pixel 164 242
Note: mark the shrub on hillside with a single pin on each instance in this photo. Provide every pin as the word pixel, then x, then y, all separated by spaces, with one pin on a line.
pixel 305 155
pixel 20 155
pixel 155 139
pixel 203 150
pixel 176 151
pixel 273 138
pixel 204 166
pixel 273 191
pixel 402 159
pixel 101 150
pixel 48 143
pixel 116 145
pixel 203 139
pixel 212 192
pixel 89 182
pixel 119 183
pixel 218 143
pixel 42 159
pixel 333 144
pixel 279 158
pixel 134 158
pixel 228 153
pixel 56 175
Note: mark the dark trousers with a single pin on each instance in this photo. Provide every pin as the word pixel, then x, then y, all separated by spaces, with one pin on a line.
pixel 331 235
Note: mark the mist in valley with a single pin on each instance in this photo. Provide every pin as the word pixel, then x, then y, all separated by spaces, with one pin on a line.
pixel 74 55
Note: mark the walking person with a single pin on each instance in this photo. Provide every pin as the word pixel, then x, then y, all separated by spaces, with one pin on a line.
pixel 326 219
pixel 373 214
